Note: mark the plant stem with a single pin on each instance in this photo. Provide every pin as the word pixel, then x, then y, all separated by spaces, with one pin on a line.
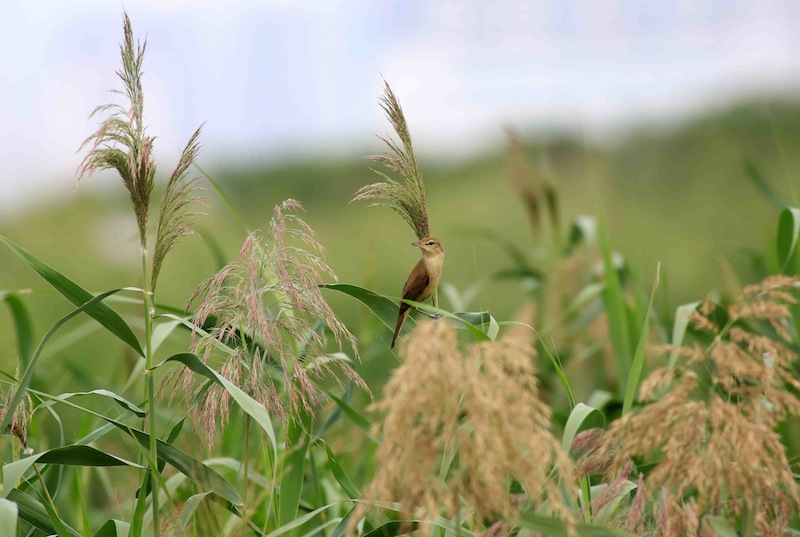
pixel 150 390
pixel 246 466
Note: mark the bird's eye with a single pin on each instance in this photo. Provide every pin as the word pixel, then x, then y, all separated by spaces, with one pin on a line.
pixel 430 243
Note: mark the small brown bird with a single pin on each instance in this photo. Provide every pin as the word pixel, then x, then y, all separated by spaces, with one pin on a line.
pixel 423 280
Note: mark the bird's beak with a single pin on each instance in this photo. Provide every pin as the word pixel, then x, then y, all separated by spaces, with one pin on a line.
pixel 415 243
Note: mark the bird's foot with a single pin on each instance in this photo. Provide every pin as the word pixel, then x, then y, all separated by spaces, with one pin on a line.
pixel 431 315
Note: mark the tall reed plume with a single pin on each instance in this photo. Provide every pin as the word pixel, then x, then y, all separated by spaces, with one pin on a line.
pixel 408 198
pixel 267 306
pixel 710 428
pixel 122 143
pixel 460 426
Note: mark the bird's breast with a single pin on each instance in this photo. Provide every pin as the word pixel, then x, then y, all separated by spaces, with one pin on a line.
pixel 433 266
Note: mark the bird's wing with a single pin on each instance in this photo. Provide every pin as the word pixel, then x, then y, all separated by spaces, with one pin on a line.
pixel 418 280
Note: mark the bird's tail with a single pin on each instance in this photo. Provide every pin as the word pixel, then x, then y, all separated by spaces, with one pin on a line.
pixel 400 320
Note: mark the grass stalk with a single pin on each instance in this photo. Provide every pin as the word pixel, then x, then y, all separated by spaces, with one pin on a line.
pixel 150 392
pixel 245 506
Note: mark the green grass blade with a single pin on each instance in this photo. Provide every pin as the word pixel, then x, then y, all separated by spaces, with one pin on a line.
pixel 788 234
pixel 393 528
pixel 113 528
pixel 362 422
pixel 118 399
pixel 555 527
pixel 299 521
pixel 75 455
pixel 223 197
pixel 579 415
pixel 23 326
pixel 761 184
pixel 682 316
pixel 293 471
pixel 249 405
pixel 617 317
pixel 26 377
pixel 191 506
pixel 722 526
pixel 612 503
pixel 338 474
pixel 632 386
pixel 33 512
pixel 383 308
pixel 76 294
pixel 194 469
pixel 8 517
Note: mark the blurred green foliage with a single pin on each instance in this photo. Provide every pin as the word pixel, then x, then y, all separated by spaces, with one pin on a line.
pixel 676 194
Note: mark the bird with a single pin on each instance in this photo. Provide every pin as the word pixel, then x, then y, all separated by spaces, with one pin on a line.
pixel 423 280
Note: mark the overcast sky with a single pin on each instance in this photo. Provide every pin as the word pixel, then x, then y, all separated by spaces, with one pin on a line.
pixel 273 78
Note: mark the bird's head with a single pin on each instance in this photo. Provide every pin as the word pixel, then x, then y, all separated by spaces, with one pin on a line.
pixel 429 246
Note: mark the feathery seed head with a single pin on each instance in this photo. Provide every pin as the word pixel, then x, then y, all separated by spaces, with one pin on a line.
pixel 121 141
pixel 18 425
pixel 713 420
pixel 409 198
pixel 482 406
pixel 268 306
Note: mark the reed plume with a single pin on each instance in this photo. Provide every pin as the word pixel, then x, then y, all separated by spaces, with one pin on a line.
pixel 267 306
pixel 710 427
pixel 459 427
pixel 122 143
pixel 408 198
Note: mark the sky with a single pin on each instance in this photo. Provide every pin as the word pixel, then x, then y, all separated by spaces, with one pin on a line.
pixel 279 79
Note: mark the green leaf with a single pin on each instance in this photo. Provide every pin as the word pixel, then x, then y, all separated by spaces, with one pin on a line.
pixel 339 474
pixel 25 381
pixel 632 387
pixel 393 528
pixel 113 528
pixel 479 334
pixel 336 413
pixel 383 308
pixel 191 506
pixel 23 327
pixel 248 405
pixel 788 232
pixel 293 471
pixel 76 455
pixel 299 521
pixel 76 294
pixel 682 316
pixel 555 527
pixel 761 184
pixel 121 401
pixel 351 413
pixel 223 197
pixel 186 464
pixel 610 506
pixel 33 512
pixel 214 248
pixel 617 317
pixel 722 526
pixel 576 419
pixel 8 517
pixel 191 467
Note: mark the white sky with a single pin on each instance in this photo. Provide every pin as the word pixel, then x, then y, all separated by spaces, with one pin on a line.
pixel 276 77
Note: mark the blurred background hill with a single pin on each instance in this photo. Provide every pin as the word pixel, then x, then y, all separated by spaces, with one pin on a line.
pixel 679 195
